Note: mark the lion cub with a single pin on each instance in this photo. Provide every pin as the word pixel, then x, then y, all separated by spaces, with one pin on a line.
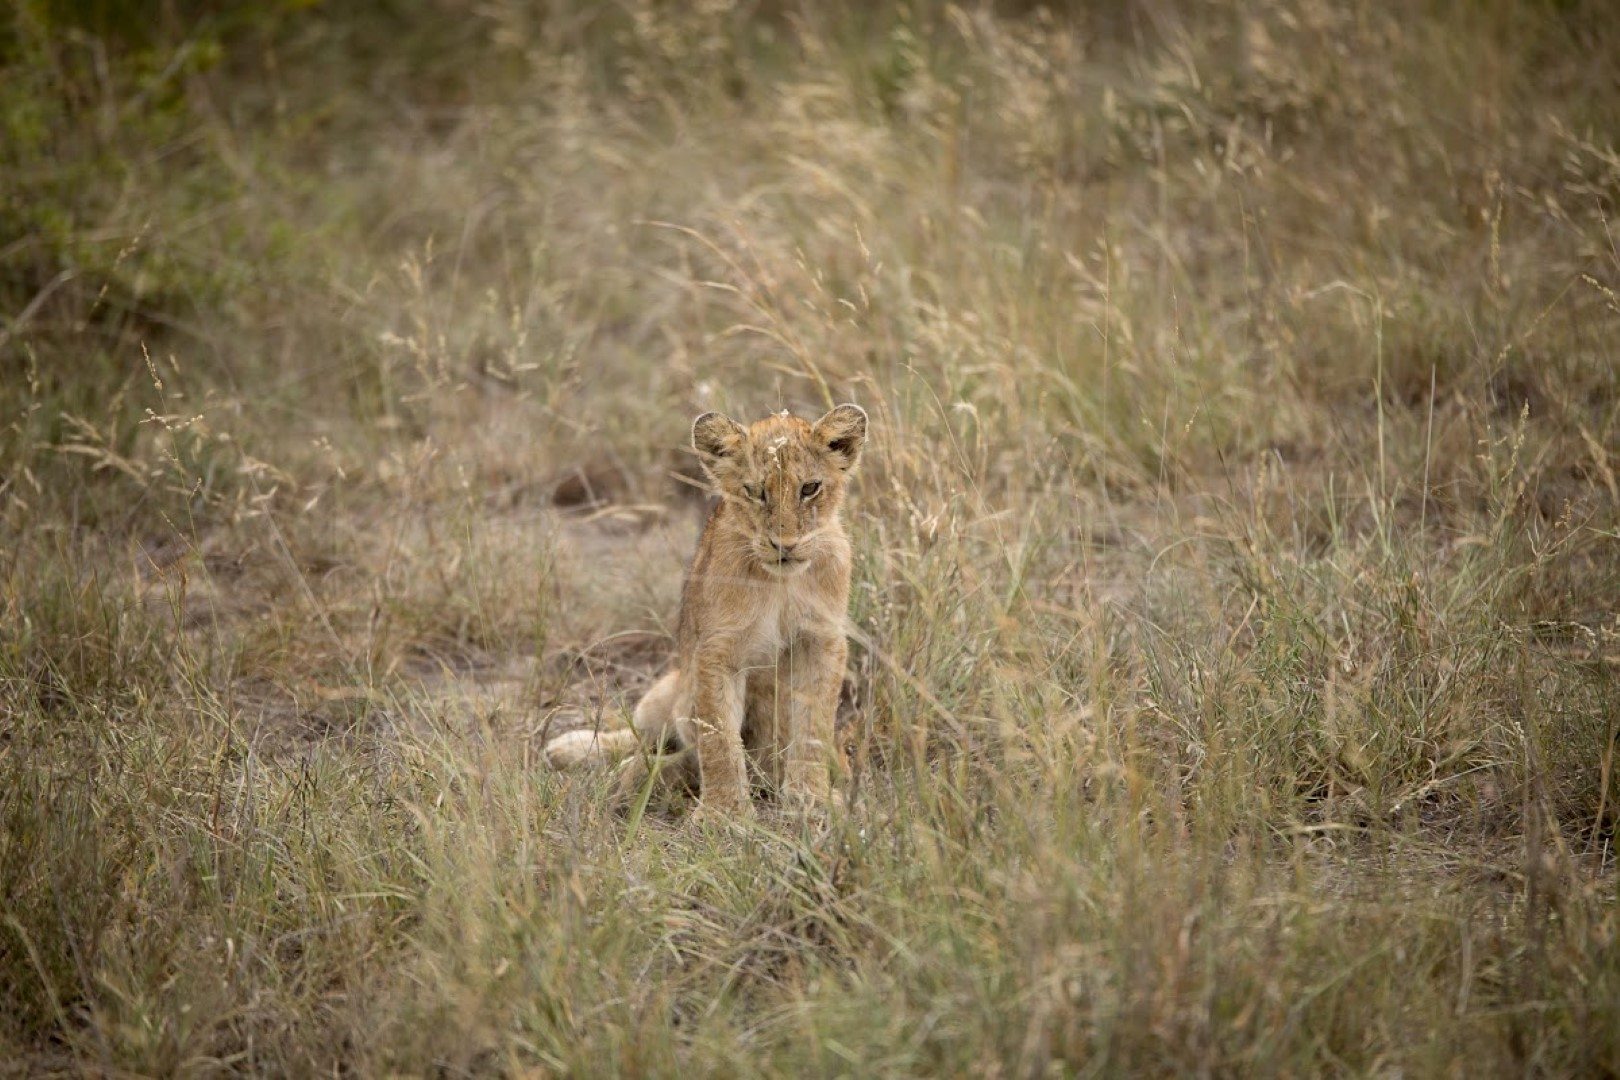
pixel 760 645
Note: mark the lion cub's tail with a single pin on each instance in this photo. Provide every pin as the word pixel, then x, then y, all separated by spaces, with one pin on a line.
pixel 654 721
pixel 585 746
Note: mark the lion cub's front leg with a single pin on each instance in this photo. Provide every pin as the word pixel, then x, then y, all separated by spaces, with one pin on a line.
pixel 715 729
pixel 815 674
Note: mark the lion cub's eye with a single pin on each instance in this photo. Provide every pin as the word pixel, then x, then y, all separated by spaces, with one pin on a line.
pixel 757 494
pixel 809 490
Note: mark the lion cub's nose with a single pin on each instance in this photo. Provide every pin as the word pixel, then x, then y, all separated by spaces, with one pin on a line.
pixel 782 549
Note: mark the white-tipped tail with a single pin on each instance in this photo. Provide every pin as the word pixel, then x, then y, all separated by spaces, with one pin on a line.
pixel 586 747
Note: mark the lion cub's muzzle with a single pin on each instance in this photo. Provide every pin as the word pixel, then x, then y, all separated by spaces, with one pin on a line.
pixel 782 556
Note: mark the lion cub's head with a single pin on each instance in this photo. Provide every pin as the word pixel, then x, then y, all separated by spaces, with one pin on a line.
pixel 784 476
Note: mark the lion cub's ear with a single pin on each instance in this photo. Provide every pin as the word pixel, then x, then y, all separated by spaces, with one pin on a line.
pixel 716 438
pixel 843 433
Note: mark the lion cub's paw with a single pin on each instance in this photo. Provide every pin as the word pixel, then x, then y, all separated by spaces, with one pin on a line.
pixel 816 808
pixel 709 815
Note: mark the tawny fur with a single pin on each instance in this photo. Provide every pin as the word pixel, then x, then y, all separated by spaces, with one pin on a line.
pixel 761 643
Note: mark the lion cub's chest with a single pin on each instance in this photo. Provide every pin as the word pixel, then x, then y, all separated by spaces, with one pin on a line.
pixel 784 614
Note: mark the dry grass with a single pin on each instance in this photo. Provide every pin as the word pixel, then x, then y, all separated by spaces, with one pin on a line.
pixel 1234 687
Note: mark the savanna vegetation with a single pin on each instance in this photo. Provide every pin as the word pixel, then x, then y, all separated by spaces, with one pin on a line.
pixel 1235 642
